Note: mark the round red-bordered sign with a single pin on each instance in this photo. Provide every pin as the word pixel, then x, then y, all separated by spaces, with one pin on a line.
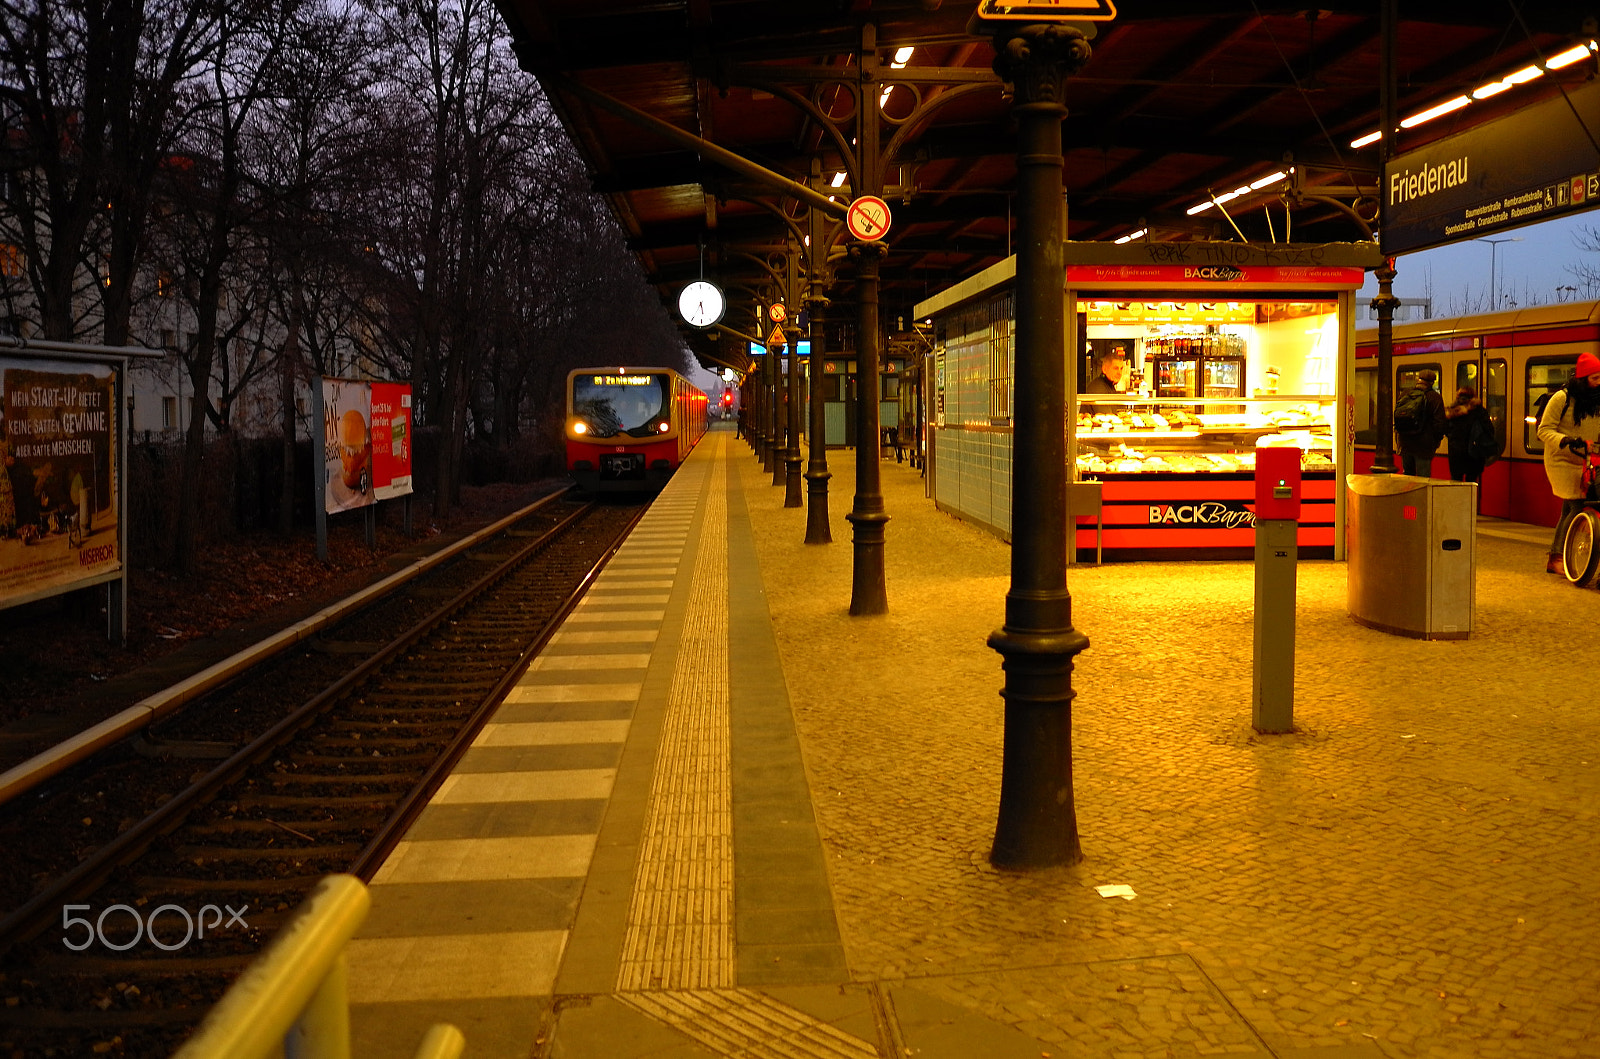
pixel 868 218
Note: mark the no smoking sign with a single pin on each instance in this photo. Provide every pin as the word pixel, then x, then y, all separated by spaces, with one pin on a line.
pixel 868 218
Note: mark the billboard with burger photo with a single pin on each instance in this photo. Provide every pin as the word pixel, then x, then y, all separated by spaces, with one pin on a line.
pixel 366 442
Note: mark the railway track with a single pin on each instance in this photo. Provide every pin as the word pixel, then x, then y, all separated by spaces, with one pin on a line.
pixel 157 870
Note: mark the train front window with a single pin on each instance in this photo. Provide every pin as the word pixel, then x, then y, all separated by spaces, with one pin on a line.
pixel 620 404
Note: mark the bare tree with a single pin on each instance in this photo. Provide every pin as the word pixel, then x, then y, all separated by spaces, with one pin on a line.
pixel 91 92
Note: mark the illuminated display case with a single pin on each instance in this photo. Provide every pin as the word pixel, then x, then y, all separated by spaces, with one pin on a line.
pixel 1185 359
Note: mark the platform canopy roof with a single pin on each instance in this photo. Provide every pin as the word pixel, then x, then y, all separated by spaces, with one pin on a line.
pixel 1182 100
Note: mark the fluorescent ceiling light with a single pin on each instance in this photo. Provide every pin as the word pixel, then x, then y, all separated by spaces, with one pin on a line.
pixel 1527 73
pixel 902 57
pixel 1201 208
pixel 1433 112
pixel 1371 137
pixel 1568 57
pixel 1257 185
pixel 884 98
pixel 838 179
pixel 1493 88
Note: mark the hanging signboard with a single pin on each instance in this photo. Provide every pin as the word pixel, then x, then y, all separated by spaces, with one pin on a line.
pixel 1532 165
pixel 366 442
pixel 59 490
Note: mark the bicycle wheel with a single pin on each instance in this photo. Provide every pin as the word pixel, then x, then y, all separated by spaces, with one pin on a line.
pixel 1579 550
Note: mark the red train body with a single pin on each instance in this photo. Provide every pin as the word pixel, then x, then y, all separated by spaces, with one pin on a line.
pixel 1512 359
pixel 629 429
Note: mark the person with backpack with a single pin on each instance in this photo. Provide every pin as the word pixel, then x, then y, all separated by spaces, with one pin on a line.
pixel 1569 428
pixel 1469 436
pixel 1419 423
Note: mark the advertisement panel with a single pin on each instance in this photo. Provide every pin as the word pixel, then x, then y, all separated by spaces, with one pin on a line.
pixel 366 442
pixel 391 439
pixel 1533 165
pixel 58 476
pixel 347 444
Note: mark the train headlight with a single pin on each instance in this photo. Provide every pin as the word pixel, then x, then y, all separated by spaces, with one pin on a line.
pixel 664 427
pixel 580 427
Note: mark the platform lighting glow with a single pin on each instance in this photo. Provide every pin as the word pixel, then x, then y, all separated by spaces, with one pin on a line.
pixel 1568 57
pixel 1523 76
pixel 1446 107
pixel 1257 185
pixel 1493 88
pixel 838 179
pixel 902 57
pixel 1131 236
pixel 1199 208
pixel 1362 141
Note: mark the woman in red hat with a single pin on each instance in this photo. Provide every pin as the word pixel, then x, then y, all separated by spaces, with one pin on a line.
pixel 1569 428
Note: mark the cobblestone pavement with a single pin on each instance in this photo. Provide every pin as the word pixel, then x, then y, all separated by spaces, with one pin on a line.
pixel 1413 873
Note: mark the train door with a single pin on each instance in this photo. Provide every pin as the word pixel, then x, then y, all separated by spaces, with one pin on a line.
pixel 1406 376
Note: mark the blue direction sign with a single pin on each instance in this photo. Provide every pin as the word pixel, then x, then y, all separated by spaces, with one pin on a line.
pixel 1532 165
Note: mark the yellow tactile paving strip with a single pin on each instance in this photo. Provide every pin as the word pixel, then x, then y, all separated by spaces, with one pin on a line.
pixel 680 920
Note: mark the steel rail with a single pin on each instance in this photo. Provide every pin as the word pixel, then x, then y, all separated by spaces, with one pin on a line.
pixel 47 763
pixel 415 800
pixel 32 916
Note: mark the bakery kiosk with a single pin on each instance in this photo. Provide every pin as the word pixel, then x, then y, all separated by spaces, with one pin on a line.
pixel 1185 360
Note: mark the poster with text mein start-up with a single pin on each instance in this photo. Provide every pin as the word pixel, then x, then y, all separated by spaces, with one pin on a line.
pixel 366 442
pixel 58 476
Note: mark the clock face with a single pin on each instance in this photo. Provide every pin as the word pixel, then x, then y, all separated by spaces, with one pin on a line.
pixel 701 303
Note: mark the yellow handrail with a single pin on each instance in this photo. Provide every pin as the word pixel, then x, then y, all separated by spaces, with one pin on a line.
pixel 292 1000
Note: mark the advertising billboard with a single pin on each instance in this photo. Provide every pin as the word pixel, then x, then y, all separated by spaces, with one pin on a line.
pixel 58 476
pixel 366 442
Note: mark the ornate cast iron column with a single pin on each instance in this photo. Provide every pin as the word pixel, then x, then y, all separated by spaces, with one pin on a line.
pixel 1038 824
pixel 791 455
pixel 791 334
pixel 817 474
pixel 1383 422
pixel 868 594
pixel 769 410
pixel 780 412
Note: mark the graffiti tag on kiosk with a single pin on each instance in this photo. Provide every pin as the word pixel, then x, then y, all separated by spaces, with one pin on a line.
pixel 1209 513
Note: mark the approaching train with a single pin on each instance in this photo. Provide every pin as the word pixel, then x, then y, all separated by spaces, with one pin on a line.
pixel 1513 359
pixel 628 429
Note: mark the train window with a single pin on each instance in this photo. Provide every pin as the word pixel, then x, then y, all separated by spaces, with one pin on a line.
pixel 1405 378
pixel 1467 375
pixel 1495 387
pixel 1546 375
pixel 1366 396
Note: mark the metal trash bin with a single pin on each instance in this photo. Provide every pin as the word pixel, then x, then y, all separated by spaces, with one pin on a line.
pixel 1410 543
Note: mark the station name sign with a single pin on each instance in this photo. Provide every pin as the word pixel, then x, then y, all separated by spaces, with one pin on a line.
pixel 1533 165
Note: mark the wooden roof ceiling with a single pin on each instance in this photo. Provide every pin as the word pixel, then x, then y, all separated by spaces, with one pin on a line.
pixel 1179 100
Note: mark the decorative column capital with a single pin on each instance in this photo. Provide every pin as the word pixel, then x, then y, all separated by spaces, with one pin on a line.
pixel 865 252
pixel 1035 60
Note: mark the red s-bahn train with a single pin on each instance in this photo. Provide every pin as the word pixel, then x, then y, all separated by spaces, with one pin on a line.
pixel 628 429
pixel 1512 359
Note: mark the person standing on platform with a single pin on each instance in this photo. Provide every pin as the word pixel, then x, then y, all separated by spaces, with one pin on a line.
pixel 1466 416
pixel 1424 441
pixel 1569 428
pixel 1112 366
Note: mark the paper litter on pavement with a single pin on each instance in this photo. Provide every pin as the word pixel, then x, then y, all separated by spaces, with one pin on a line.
pixel 1121 890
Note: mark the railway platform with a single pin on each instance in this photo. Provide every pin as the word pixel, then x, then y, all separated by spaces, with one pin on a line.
pixel 720 816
